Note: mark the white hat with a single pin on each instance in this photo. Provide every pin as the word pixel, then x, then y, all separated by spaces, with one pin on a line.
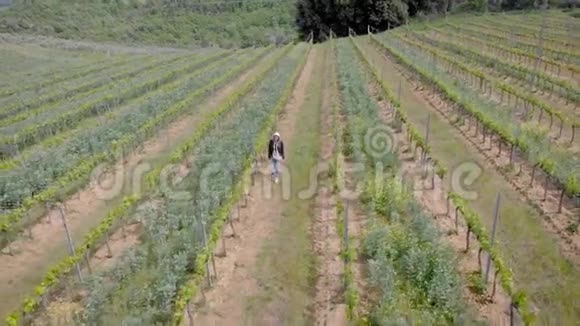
pixel 277 134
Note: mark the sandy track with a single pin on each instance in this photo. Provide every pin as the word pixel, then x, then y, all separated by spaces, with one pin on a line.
pixel 225 303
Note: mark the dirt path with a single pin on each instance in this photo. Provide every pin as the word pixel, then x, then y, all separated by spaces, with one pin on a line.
pixel 20 272
pixel 330 308
pixel 226 303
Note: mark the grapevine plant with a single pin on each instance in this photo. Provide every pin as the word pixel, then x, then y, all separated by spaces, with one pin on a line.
pixel 562 164
pixel 411 270
pixel 52 77
pixel 130 262
pixel 134 80
pixel 23 101
pixel 472 219
pixel 45 174
pixel 50 120
pixel 173 243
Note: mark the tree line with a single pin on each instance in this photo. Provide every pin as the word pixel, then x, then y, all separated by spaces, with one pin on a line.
pixel 321 16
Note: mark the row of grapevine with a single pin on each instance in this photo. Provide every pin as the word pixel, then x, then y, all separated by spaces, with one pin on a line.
pixel 180 232
pixel 49 174
pixel 102 100
pixel 563 88
pixel 563 38
pixel 36 113
pixel 408 266
pixel 348 252
pixel 474 225
pixel 14 158
pixel 531 58
pixel 553 19
pixel 484 83
pixel 50 109
pixel 25 101
pixel 53 78
pixel 549 23
pixel 554 44
pixel 529 46
pixel 95 236
pixel 472 220
pixel 559 165
pixel 414 135
pixel 189 289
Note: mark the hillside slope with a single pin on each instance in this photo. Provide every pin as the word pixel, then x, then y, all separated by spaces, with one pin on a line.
pixel 222 23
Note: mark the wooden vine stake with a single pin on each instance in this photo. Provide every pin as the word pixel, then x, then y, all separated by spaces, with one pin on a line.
pixel 70 242
pixel 456 219
pixel 561 201
pixel 493 230
pixel 467 238
pixel 546 187
pixel 48 218
pixel 494 283
pixel 29 229
pixel 224 252
pixel 189 314
pixel 109 251
pixel 9 245
pixel 479 264
pixel 424 155
pixel 88 262
pixel 206 245
pixel 346 244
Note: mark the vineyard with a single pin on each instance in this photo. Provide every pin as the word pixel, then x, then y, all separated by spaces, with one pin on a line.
pixel 432 176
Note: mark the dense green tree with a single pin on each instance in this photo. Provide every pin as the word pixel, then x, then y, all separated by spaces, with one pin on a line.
pixel 319 16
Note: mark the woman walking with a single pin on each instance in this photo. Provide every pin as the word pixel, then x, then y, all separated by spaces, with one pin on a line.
pixel 276 154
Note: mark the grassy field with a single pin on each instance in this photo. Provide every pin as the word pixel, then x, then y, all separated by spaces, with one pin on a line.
pixel 206 23
pixel 146 154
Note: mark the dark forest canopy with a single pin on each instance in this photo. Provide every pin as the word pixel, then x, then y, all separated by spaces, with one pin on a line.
pixel 319 16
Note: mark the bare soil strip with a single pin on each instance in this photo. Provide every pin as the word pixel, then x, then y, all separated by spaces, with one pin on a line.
pixel 23 270
pixel 226 303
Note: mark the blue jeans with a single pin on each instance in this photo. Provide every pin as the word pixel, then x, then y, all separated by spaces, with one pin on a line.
pixel 275 168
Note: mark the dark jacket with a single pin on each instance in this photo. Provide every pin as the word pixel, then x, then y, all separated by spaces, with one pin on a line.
pixel 271 148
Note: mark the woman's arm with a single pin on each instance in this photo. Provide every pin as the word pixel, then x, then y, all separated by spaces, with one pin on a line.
pixel 282 149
